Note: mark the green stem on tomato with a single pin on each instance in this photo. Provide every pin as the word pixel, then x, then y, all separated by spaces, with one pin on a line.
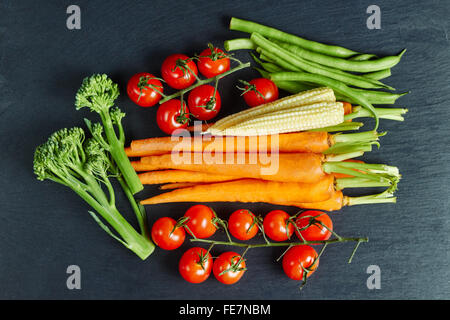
pixel 278 244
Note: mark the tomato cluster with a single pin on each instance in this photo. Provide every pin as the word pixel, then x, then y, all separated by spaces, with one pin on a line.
pixel 180 72
pixel 201 222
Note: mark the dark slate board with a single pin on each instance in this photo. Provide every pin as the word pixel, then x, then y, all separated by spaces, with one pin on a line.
pixel 44 227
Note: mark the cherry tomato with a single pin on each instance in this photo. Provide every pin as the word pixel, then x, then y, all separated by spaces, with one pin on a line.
pixel 296 258
pixel 229 261
pixel 170 116
pixel 201 221
pixel 260 91
pixel 177 70
pixel 212 62
pixel 195 265
pixel 242 224
pixel 144 89
pixel 276 225
pixel 314 231
pixel 166 234
pixel 202 102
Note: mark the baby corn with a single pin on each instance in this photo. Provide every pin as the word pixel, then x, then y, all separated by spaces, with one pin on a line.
pixel 308 97
pixel 312 116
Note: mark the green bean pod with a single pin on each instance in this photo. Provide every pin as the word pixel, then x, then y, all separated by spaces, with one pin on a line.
pixel 250 27
pixel 363 57
pixel 343 64
pixel 278 54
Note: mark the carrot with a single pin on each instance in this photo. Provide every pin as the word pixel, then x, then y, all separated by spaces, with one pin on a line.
pixel 178 185
pixel 288 167
pixel 249 190
pixel 334 203
pixel 338 200
pixel 170 176
pixel 315 142
pixel 348 108
pixel 203 127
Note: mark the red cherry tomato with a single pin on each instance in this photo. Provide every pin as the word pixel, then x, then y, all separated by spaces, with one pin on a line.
pixel 314 231
pixel 296 258
pixel 195 265
pixel 260 91
pixel 227 268
pixel 201 221
pixel 166 235
pixel 242 224
pixel 202 102
pixel 276 225
pixel 170 116
pixel 213 62
pixel 144 89
pixel 177 70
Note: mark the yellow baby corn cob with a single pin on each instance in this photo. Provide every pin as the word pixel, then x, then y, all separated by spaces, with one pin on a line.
pixel 317 115
pixel 286 103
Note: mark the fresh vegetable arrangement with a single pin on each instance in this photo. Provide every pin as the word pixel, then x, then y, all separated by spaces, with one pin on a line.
pixel 285 150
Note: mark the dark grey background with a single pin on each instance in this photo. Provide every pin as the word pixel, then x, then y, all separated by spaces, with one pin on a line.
pixel 45 227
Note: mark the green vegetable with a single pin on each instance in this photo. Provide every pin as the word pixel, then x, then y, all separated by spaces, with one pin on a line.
pixel 277 54
pixel 363 57
pixel 272 33
pixel 98 93
pixel 343 64
pixel 85 166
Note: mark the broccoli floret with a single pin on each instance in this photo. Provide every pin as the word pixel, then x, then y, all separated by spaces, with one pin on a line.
pixel 98 93
pixel 84 166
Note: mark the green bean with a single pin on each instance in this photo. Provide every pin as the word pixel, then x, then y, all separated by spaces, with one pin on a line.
pixel 280 62
pixel 238 44
pixel 363 57
pixel 343 64
pixel 374 97
pixel 337 86
pixel 378 75
pixel 250 27
pixel 268 66
pixel 279 54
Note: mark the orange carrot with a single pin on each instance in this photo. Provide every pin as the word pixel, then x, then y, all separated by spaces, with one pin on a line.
pixel 204 127
pixel 348 108
pixel 288 167
pixel 250 190
pixel 315 142
pixel 178 185
pixel 334 203
pixel 170 176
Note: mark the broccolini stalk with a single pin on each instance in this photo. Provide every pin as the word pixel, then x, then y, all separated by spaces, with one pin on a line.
pixel 96 130
pixel 98 93
pixel 85 166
